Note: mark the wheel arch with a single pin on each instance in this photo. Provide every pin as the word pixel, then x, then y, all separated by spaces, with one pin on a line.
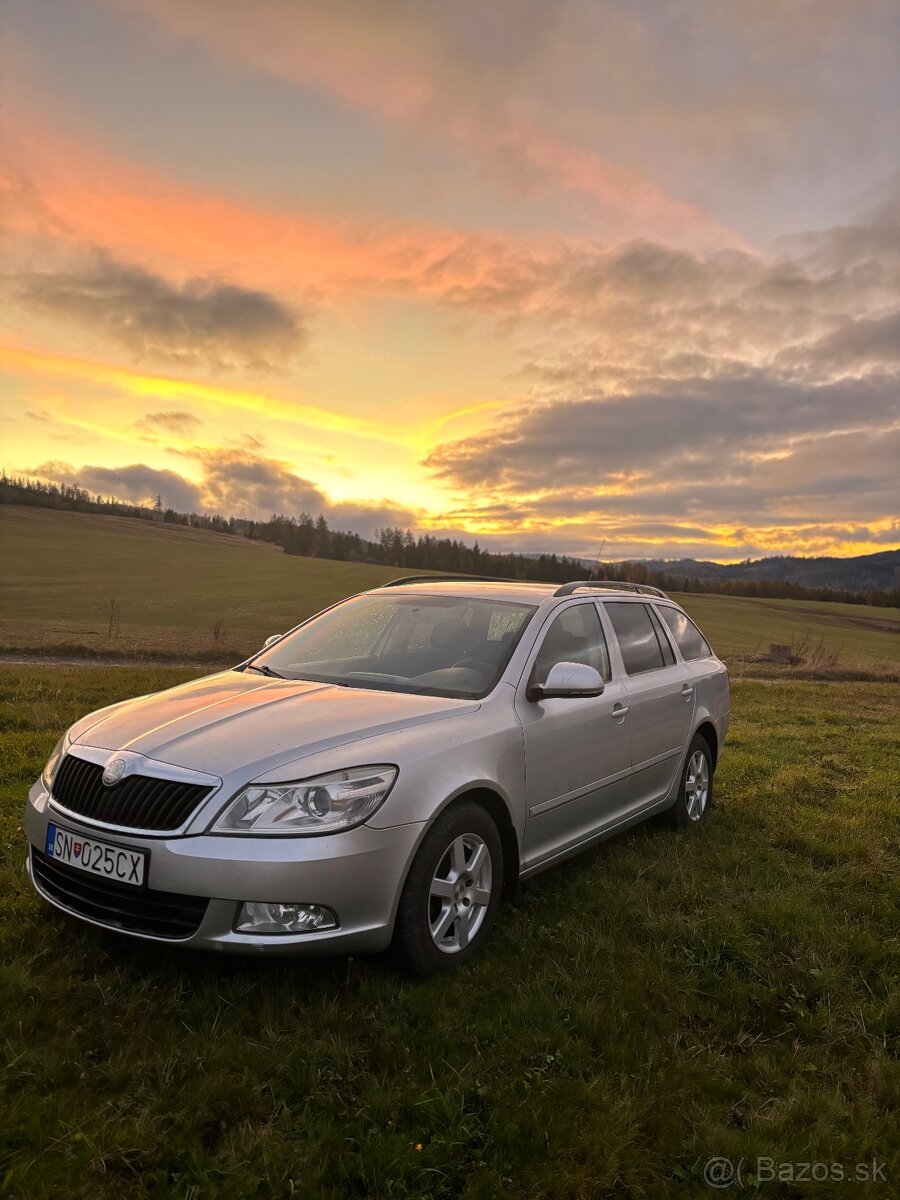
pixel 707 730
pixel 497 808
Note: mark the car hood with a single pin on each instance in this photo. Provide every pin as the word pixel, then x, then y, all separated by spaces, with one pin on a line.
pixel 241 721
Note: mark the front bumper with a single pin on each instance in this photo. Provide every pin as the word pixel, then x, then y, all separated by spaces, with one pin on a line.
pixel 358 874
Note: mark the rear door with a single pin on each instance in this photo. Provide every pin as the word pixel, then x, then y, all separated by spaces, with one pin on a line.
pixel 577 748
pixel 708 674
pixel 660 695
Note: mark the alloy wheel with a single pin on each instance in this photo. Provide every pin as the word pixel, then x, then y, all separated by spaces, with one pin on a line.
pixel 696 785
pixel 460 893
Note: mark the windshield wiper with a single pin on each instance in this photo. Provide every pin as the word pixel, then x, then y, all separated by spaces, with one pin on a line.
pixel 264 670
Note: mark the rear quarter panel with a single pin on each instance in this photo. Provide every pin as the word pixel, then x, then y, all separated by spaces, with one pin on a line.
pixel 713 697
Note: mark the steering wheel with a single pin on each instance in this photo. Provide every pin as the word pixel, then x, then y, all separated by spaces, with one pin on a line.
pixel 476 664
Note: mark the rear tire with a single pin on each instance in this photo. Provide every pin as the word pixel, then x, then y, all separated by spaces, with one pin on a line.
pixel 451 894
pixel 695 789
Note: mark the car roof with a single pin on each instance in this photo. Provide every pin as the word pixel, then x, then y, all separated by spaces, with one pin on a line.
pixel 512 591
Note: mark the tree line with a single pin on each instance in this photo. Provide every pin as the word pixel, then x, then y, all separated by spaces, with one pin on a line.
pixel 38 494
pixel 311 536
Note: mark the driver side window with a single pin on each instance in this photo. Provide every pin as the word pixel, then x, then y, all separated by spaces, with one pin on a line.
pixel 576 635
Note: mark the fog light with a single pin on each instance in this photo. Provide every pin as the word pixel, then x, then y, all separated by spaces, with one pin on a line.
pixel 258 916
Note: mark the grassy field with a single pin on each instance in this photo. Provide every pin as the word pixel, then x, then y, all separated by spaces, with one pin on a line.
pixel 660 1000
pixel 858 634
pixel 173 585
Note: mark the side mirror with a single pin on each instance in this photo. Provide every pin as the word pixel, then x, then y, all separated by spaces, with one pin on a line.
pixel 568 679
pixel 270 641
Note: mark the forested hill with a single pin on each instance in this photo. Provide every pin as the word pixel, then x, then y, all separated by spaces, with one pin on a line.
pixel 307 536
pixel 866 572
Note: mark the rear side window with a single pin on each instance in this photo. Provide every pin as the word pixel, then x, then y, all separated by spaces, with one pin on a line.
pixel 688 638
pixel 636 637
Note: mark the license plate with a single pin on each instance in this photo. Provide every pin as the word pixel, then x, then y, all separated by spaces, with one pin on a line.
pixel 97 858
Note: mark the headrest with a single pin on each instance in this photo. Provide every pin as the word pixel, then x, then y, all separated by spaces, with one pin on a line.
pixel 446 632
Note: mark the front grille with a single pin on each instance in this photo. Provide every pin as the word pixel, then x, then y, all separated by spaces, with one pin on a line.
pixel 139 910
pixel 136 802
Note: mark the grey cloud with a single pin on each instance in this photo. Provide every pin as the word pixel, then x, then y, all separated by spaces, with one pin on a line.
pixel 828 478
pixel 247 442
pixel 174 421
pixel 650 271
pixel 22 207
pixel 757 454
pixel 699 372
pixel 234 483
pixel 873 342
pixel 138 483
pixel 202 321
pixel 874 241
pixel 248 486
pixel 365 517
pixel 641 309
pixel 689 425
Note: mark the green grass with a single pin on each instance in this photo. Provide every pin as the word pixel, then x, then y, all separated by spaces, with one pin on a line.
pixel 859 634
pixel 174 584
pixel 667 997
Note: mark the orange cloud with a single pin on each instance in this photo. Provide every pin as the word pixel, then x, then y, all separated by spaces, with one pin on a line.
pixel 62 190
pixel 78 191
pixel 396 62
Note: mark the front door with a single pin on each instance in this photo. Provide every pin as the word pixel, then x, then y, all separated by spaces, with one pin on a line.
pixel 577 749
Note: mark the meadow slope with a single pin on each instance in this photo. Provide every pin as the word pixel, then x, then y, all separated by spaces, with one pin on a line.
pixel 175 585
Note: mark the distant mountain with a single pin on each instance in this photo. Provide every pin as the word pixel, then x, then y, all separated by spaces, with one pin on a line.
pixel 868 572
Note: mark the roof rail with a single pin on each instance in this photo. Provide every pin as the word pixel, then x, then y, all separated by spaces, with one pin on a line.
pixel 611 585
pixel 444 579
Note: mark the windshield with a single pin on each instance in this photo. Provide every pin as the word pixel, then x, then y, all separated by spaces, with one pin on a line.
pixel 430 645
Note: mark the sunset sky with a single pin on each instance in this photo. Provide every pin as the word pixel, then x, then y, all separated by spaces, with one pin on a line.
pixel 540 273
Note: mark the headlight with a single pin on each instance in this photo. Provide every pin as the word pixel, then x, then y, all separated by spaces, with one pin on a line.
pixel 325 804
pixel 49 772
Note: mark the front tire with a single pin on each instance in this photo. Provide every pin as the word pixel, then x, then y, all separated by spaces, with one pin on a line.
pixel 452 892
pixel 695 790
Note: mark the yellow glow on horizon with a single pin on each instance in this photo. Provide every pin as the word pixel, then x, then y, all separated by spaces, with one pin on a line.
pixel 29 361
pixel 379 460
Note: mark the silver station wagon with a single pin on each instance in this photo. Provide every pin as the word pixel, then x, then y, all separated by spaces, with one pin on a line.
pixel 385 773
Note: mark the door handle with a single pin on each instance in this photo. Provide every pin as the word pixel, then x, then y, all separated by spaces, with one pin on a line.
pixel 687 691
pixel 620 710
